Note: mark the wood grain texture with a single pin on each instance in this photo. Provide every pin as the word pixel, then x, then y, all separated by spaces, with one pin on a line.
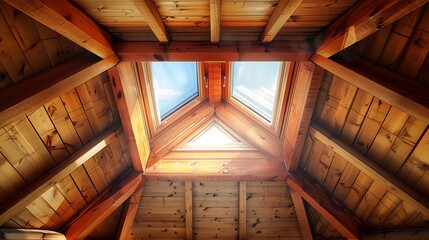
pixel 215 6
pixel 188 211
pixel 128 215
pixel 151 15
pixel 301 214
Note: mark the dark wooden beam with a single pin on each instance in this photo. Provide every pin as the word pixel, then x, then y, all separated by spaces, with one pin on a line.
pixel 278 19
pixel 127 94
pixel 398 234
pixel 304 94
pixel 128 214
pixel 324 203
pixel 102 207
pixel 26 196
pixel 215 83
pixel 404 93
pixel 151 15
pixel 389 181
pixel 363 19
pixel 67 19
pixel 205 51
pixel 19 99
pixel 215 6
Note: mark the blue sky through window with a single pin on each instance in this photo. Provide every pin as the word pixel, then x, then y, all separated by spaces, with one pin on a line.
pixel 174 84
pixel 255 85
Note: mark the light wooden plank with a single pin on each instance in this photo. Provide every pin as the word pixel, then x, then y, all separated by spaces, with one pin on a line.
pixel 281 14
pixel 304 224
pixel 188 210
pixel 62 170
pixel 324 204
pixel 68 20
pixel 21 98
pixel 149 11
pixel 128 214
pixel 363 19
pixel 389 181
pixel 215 6
pixel 102 207
pixel 128 99
pixel 405 94
pixel 242 199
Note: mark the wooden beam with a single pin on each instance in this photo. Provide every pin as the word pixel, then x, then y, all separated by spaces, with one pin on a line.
pixel 405 94
pixel 398 234
pixel 19 99
pixel 127 95
pixel 242 198
pixel 363 19
pixel 304 94
pixel 389 181
pixel 324 203
pixel 67 19
pixel 281 14
pixel 104 206
pixel 205 51
pixel 301 214
pixel 128 214
pixel 215 6
pixel 48 180
pixel 215 83
pixel 151 15
pixel 188 211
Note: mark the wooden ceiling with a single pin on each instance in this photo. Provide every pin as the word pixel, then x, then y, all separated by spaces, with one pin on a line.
pixel 348 158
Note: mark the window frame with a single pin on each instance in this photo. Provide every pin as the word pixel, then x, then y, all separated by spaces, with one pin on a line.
pixel 280 100
pixel 155 123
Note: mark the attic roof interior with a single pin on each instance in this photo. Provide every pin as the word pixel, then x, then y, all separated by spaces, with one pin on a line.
pixel 231 119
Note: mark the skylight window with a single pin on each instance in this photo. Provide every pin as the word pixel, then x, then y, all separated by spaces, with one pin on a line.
pixel 174 84
pixel 255 85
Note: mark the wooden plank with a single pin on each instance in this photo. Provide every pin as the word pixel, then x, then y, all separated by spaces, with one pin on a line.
pixel 391 182
pixel 398 234
pixel 363 19
pixel 405 94
pixel 68 20
pixel 242 210
pixel 215 6
pixel 205 51
pixel 215 84
pixel 324 204
pixel 21 98
pixel 102 207
pixel 188 210
pixel 128 214
pixel 151 15
pixel 33 191
pixel 301 214
pixel 131 111
pixel 281 14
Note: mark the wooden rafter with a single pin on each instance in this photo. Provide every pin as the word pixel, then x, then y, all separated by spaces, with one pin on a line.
pixel 301 214
pixel 22 97
pixel 68 20
pixel 205 51
pixel 148 9
pixel 215 83
pixel 128 214
pixel 389 181
pixel 242 199
pixel 102 207
pixel 188 211
pixel 281 14
pixel 128 99
pixel 37 188
pixel 363 19
pixel 304 94
pixel 323 202
pixel 215 6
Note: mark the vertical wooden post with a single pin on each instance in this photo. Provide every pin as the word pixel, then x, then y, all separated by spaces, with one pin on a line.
pixel 242 213
pixel 188 210
pixel 215 83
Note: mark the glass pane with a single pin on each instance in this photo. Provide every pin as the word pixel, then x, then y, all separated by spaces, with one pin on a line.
pixel 255 85
pixel 175 84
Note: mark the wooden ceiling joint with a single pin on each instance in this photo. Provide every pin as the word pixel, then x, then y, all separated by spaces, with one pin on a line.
pixel 98 210
pixel 389 181
pixel 148 9
pixel 363 19
pixel 323 202
pixel 301 214
pixel 19 99
pixel 278 19
pixel 128 214
pixel 215 6
pixel 63 169
pixel 68 20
